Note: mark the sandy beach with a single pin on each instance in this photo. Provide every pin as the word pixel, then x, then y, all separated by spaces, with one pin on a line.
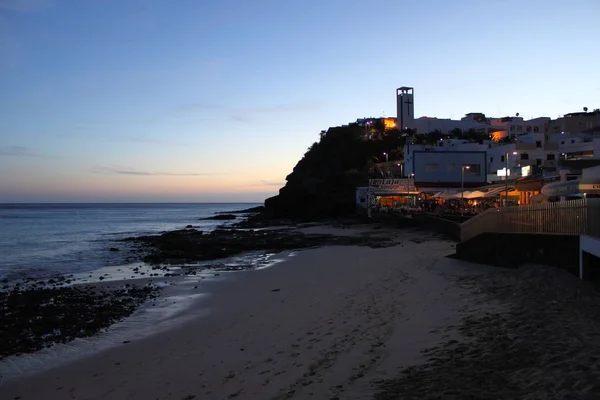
pixel 349 322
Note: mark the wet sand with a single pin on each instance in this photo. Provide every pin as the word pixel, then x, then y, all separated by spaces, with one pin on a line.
pixel 356 323
pixel 317 323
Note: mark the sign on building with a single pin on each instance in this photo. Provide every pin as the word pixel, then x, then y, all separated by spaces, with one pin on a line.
pixel 393 184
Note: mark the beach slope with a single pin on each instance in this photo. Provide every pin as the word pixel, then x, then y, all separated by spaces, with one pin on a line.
pixel 325 323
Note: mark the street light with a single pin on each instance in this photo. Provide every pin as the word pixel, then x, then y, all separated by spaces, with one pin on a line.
pixel 506 176
pixel 401 170
pixel 408 186
pixel 386 156
pixel 462 183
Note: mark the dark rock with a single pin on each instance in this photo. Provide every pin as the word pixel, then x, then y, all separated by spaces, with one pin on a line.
pixel 323 183
pixel 113 249
pixel 188 226
pixel 36 317
pixel 221 217
pixel 189 246
pixel 275 290
pixel 251 210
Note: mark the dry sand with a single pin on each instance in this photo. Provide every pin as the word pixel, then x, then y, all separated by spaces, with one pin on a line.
pixel 334 322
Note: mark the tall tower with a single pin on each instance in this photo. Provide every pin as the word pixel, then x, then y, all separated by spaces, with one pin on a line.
pixel 406 111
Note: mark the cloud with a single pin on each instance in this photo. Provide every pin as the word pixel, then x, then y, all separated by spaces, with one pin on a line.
pixel 18 151
pixel 245 115
pixel 117 170
pixel 193 107
pixel 115 138
pixel 25 5
pixel 241 118
pixel 290 108
pixel 271 183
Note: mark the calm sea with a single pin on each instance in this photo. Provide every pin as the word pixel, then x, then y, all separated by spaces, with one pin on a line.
pixel 40 240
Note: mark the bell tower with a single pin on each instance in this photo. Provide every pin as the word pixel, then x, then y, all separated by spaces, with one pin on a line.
pixel 405 107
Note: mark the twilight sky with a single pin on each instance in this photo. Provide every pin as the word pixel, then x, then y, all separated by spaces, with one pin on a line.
pixel 216 100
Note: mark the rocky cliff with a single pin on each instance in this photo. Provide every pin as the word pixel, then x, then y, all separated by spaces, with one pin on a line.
pixel 323 182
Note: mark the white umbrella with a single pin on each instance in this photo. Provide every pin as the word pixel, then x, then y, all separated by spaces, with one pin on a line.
pixel 474 195
pixel 460 195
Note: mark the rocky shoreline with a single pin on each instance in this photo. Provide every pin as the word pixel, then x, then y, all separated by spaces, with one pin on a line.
pixel 36 313
pixel 541 342
pixel 41 314
pixel 190 245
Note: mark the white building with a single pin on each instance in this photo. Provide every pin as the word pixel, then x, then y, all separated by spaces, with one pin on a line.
pixel 448 169
pixel 577 146
pixel 530 150
pixel 517 126
pixel 430 124
pixel 520 155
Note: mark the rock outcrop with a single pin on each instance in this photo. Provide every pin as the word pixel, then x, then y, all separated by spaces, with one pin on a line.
pixel 323 183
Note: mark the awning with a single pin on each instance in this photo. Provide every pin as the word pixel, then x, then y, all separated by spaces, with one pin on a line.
pixel 461 195
pixel 475 194
pixel 496 192
pixel 447 195
pixel 570 188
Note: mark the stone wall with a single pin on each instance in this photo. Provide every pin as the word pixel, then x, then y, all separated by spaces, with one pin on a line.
pixel 438 225
pixel 516 249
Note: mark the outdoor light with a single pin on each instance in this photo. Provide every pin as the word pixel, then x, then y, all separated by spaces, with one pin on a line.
pixel 462 184
pixel 506 173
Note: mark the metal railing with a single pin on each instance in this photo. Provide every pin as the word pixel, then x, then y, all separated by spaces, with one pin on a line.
pixel 575 217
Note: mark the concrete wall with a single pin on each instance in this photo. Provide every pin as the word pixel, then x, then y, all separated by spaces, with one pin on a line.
pixel 442 167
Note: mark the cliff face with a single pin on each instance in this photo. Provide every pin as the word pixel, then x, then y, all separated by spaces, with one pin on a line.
pixel 323 182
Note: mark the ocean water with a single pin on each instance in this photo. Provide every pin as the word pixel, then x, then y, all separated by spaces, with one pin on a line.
pixel 41 240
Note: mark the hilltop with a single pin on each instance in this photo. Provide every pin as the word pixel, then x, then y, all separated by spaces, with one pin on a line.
pixel 323 182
